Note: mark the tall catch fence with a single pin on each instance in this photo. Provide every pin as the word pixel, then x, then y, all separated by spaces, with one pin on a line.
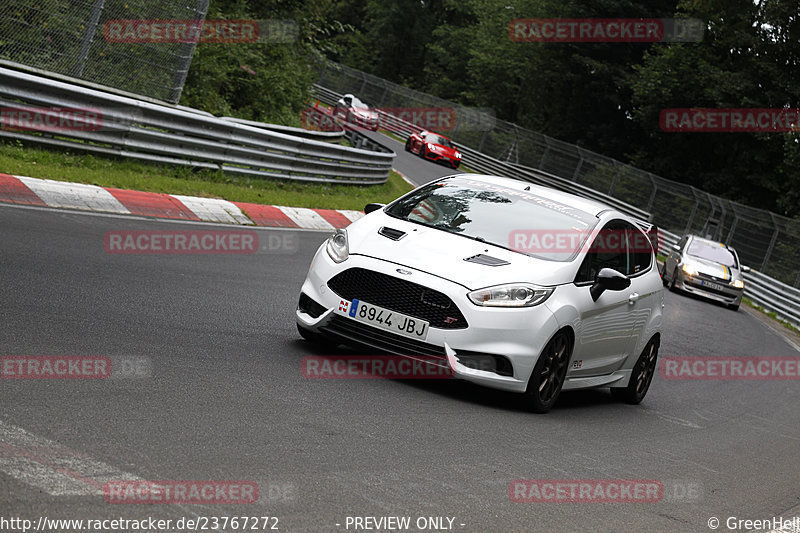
pixel 72 38
pixel 766 241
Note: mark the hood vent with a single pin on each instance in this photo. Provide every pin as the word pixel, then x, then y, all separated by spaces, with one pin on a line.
pixel 391 233
pixel 487 260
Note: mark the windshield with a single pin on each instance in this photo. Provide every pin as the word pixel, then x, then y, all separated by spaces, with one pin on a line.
pixel 438 139
pixel 712 252
pixel 358 104
pixel 511 218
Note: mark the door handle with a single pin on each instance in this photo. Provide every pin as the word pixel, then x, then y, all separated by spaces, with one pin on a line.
pixel 633 298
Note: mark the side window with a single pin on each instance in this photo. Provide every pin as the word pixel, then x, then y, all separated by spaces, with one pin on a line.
pixel 640 249
pixel 609 250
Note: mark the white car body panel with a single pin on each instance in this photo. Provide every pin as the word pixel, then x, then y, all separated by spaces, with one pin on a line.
pixel 609 334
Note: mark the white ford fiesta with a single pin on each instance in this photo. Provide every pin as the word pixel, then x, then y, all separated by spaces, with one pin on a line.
pixel 503 283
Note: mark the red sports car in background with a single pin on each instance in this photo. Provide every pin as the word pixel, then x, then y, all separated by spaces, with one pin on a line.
pixel 435 147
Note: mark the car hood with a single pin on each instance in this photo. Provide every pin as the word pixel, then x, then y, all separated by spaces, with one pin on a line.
pixel 712 268
pixel 443 254
pixel 364 113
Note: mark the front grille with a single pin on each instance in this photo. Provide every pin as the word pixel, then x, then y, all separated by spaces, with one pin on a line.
pixel 398 295
pixel 351 331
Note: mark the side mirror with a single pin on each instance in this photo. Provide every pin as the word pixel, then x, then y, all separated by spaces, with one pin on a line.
pixel 608 279
pixel 369 208
pixel 745 268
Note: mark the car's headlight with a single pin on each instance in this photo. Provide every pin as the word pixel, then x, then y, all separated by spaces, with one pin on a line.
pixel 689 269
pixel 458 155
pixel 431 146
pixel 512 295
pixel 738 284
pixel 337 246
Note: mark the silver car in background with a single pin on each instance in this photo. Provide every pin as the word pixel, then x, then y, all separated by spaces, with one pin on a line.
pixel 707 268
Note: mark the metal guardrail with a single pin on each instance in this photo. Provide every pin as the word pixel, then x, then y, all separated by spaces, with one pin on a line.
pixel 329 136
pixel 144 130
pixel 765 291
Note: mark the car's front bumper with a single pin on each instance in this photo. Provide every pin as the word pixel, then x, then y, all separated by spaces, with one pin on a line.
pixel 693 284
pixel 516 335
pixel 441 158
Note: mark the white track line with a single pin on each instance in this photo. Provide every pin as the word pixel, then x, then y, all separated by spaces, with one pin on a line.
pixel 51 467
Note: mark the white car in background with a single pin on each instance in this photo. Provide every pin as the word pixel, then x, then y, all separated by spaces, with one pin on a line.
pixel 706 268
pixel 356 113
pixel 492 307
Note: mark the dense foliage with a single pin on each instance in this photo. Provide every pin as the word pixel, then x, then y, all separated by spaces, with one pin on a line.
pixel 606 97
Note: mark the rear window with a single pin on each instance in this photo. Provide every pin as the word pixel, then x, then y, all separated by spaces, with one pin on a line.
pixel 507 217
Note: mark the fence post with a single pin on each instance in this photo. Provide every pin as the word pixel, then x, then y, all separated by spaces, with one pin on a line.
pixel 771 243
pixel 186 54
pixel 614 178
pixel 88 37
pixel 652 194
pixel 578 166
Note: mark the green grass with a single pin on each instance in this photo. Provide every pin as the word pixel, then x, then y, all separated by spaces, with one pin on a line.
pixel 76 167
pixel 774 316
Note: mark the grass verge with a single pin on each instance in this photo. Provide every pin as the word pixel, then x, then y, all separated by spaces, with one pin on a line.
pixel 76 167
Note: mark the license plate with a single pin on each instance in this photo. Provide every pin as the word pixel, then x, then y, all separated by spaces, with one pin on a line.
pixel 710 285
pixel 384 318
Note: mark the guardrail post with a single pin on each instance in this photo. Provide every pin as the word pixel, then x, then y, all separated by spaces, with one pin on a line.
pixel 88 37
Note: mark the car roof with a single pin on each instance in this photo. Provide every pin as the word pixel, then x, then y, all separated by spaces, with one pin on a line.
pixel 583 204
pixel 709 241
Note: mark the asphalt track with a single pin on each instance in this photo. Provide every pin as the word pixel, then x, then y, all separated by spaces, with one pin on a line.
pixel 225 400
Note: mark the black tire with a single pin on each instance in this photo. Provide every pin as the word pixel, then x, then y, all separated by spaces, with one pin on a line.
pixel 733 307
pixel 408 144
pixel 422 151
pixel 548 375
pixel 310 336
pixel 641 376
